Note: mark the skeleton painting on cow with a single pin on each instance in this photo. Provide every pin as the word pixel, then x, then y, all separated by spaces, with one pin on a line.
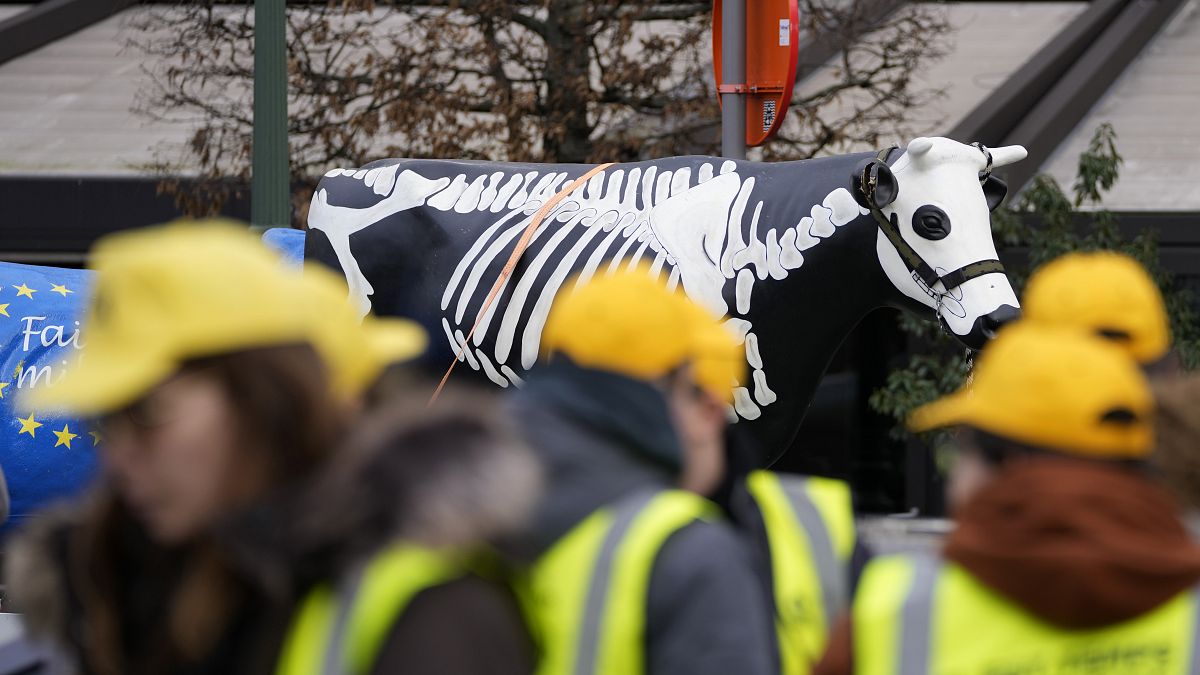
pixel 793 254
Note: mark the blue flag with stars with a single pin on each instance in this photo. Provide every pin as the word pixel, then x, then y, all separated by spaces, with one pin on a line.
pixel 44 457
pixel 47 457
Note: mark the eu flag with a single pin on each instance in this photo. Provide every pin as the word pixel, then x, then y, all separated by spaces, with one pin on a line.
pixel 45 456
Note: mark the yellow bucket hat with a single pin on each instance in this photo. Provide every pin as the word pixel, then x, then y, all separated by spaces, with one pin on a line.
pixel 629 323
pixel 1054 388
pixel 169 294
pixel 1102 292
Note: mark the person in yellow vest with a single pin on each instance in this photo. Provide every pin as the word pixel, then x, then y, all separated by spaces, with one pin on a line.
pixel 220 392
pixel 409 511
pixel 804 545
pixel 1067 557
pixel 630 570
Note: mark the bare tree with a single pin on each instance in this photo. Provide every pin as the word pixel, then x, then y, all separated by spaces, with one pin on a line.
pixel 523 80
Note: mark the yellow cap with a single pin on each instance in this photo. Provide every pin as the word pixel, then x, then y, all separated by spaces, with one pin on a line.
pixel 1102 292
pixel 357 353
pixel 169 294
pixel 629 323
pixel 1054 388
pixel 164 295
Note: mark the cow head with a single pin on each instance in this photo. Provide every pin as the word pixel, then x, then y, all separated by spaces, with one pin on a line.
pixel 935 239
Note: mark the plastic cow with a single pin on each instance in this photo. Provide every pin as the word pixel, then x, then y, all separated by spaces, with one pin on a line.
pixel 794 254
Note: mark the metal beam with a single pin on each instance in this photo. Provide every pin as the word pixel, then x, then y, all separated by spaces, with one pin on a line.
pixel 1060 110
pixel 1003 109
pixel 54 220
pixel 50 20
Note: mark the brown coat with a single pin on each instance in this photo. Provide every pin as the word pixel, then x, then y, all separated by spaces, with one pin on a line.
pixel 1080 544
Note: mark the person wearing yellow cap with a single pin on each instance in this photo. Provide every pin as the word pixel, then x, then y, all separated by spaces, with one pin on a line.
pixel 221 385
pixel 1113 296
pixel 630 570
pixel 1066 557
pixel 1105 293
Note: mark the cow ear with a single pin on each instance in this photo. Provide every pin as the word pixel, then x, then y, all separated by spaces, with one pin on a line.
pixel 994 191
pixel 879 175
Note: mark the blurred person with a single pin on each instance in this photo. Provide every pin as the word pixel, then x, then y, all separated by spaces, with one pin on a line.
pixel 1177 443
pixel 1066 557
pixel 1110 295
pixel 215 391
pixel 804 546
pixel 632 571
pixel 805 549
pixel 407 514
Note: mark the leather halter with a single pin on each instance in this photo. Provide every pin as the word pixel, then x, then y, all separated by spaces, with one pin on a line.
pixel 913 260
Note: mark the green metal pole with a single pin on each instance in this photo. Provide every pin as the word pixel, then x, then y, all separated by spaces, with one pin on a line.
pixel 269 184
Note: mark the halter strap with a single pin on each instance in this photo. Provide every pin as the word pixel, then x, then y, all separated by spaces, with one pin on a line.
pixel 913 260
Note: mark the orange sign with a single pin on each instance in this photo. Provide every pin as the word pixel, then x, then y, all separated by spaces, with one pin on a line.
pixel 772 37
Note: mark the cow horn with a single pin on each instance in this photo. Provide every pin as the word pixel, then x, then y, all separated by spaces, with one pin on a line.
pixel 1009 154
pixel 919 146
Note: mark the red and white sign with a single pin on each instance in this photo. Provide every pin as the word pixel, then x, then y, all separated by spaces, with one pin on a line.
pixel 772 47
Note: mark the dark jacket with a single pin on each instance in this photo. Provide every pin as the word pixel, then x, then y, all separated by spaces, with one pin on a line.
pixel 600 437
pixel 1081 545
pixel 451 478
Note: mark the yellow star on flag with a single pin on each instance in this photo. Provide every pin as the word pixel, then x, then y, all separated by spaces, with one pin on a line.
pixel 95 437
pixel 65 437
pixel 3 386
pixel 4 309
pixel 61 289
pixel 25 291
pixel 28 426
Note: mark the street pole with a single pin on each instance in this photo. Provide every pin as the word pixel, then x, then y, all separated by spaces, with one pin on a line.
pixel 733 72
pixel 270 203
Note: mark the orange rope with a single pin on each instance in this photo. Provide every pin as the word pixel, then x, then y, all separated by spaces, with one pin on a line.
pixel 522 244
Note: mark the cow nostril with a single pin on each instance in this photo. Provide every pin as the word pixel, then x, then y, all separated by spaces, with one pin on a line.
pixel 993 321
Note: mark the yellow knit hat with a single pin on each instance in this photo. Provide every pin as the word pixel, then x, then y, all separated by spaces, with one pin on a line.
pixel 629 323
pixel 1055 388
pixel 168 294
pixel 1105 293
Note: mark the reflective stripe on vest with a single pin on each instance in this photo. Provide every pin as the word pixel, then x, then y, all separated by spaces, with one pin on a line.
pixel 586 596
pixel 810 531
pixel 916 614
pixel 341 633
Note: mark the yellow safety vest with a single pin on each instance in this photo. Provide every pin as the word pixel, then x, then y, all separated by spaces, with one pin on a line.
pixel 918 614
pixel 585 597
pixel 810 533
pixel 341 631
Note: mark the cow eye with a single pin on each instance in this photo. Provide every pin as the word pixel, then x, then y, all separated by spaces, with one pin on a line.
pixel 931 222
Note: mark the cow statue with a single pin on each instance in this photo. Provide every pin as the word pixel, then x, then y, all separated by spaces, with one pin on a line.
pixel 793 254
